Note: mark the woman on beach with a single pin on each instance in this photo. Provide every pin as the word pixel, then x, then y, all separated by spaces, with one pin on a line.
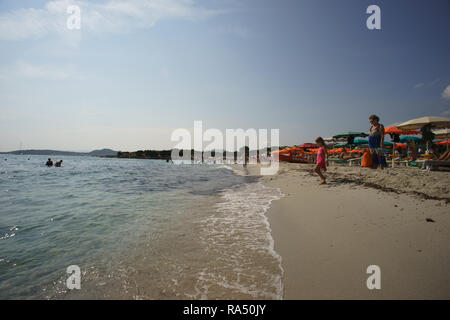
pixel 376 141
pixel 321 159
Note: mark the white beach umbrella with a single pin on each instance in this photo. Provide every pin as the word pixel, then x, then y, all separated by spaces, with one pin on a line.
pixel 434 122
pixel 442 134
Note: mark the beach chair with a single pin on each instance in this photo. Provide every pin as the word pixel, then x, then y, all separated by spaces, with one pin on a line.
pixel 354 161
pixel 431 165
pixel 441 162
pixel 338 161
pixel 394 161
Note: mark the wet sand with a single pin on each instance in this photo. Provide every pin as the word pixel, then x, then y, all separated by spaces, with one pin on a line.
pixel 327 235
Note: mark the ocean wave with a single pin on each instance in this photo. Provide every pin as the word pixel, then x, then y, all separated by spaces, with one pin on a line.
pixel 239 239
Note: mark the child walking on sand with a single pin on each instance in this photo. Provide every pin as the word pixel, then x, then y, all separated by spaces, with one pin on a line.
pixel 322 159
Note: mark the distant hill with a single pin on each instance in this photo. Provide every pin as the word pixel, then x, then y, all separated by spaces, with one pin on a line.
pixel 103 152
pixel 45 152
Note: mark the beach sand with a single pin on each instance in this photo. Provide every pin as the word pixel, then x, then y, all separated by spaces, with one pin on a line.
pixel 327 235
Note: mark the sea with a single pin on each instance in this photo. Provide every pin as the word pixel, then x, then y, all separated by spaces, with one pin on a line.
pixel 136 229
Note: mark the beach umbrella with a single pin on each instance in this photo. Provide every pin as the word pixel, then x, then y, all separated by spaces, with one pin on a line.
pixel 294 149
pixel 350 134
pixel 395 130
pixel 433 122
pixel 442 134
pixel 330 140
pixel 308 145
pixel 360 141
pixel 409 138
pixel 443 143
pixel 335 151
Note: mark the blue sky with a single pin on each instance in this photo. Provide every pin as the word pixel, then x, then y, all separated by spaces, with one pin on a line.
pixel 138 69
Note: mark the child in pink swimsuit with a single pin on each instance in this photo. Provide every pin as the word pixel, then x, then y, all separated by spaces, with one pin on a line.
pixel 321 159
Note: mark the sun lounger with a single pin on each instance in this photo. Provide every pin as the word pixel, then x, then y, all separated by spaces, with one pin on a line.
pixel 354 161
pixel 431 165
pixel 445 156
pixel 395 161
pixel 339 161
pixel 404 162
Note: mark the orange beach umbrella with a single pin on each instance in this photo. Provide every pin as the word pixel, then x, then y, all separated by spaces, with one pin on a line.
pixel 395 130
pixel 443 143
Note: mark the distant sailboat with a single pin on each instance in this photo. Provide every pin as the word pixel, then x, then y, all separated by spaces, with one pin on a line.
pixel 20 150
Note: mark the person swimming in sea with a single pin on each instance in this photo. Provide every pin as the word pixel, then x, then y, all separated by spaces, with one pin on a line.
pixel 58 163
pixel 49 163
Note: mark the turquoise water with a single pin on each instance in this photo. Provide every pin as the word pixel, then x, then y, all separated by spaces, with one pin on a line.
pixel 136 228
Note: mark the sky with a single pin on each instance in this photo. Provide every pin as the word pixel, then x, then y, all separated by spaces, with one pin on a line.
pixel 136 70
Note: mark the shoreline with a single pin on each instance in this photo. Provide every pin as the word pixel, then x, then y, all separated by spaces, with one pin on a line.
pixel 328 235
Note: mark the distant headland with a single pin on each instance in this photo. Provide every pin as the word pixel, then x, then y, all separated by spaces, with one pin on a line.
pixel 46 152
pixel 140 154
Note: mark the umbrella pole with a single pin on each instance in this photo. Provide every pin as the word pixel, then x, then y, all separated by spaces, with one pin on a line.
pixel 393 154
pixel 447 138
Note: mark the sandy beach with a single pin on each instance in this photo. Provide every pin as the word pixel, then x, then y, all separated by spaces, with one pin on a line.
pixel 327 235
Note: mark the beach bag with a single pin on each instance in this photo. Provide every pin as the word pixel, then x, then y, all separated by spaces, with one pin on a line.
pixel 366 159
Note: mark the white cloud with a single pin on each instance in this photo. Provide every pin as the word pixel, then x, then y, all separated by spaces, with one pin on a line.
pixel 111 16
pixel 429 84
pixel 446 93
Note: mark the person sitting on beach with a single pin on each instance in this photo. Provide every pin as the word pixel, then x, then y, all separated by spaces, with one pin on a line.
pixel 58 163
pixel 321 159
pixel 49 163
pixel 376 141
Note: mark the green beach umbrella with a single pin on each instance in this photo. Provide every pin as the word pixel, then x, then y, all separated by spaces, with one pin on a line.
pixel 409 138
pixel 350 134
pixel 360 142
